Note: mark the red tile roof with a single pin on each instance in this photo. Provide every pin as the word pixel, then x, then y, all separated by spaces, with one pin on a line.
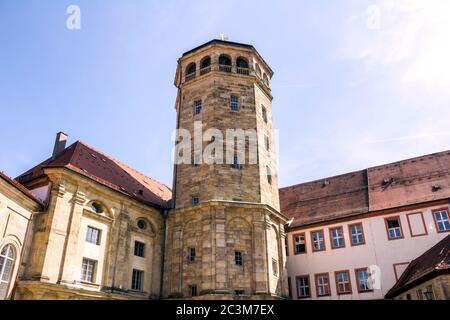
pixel 21 188
pixel 387 186
pixel 433 262
pixel 102 168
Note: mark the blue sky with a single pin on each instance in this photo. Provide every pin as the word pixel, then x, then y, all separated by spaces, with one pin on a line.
pixel 357 83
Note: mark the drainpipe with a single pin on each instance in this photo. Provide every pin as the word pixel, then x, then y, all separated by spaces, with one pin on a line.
pixel 163 253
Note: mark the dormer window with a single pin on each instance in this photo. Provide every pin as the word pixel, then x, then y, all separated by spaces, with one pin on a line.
pixel 97 207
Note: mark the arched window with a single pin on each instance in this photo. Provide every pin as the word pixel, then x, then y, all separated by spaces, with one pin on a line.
pixel 7 258
pixel 242 66
pixel 205 65
pixel 190 71
pixel 97 207
pixel 258 70
pixel 224 63
pixel 266 79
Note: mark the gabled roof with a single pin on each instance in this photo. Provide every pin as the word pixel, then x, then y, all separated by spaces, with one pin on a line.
pixel 417 180
pixel 433 262
pixel 20 187
pixel 102 168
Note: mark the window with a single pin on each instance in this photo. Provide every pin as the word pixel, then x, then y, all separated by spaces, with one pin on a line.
pixel 236 163
pixel 258 70
pixel 238 258
pixel 93 235
pixel 193 291
pixel 286 248
pixel 195 201
pixel 343 284
pixel 264 113
pixel 224 63
pixel 322 284
pixel 318 242
pixel 139 249
pixel 141 224
pixel 7 259
pixel 275 267
pixel 428 293
pixel 96 207
pixel 197 106
pixel 88 270
pixel 363 280
pixel 234 103
pixel 393 227
pixel 441 220
pixel 356 234
pixel 205 65
pixel 408 296
pixel 137 280
pixel 303 288
pixel 269 175
pixel 191 254
pixel 190 71
pixel 419 294
pixel 337 238
pixel 299 243
pixel 267 142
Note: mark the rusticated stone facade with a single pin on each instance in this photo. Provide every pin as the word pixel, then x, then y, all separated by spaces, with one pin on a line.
pixel 238 208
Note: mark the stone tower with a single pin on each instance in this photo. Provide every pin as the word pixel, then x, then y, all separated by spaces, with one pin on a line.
pixel 225 235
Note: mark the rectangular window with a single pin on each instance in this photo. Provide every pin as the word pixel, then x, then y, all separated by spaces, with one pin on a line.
pixel 88 270
pixel 343 284
pixel 363 280
pixel 337 237
pixel 197 106
pixel 191 254
pixel 318 241
pixel 303 288
pixel 264 113
pixel 428 293
pixel 269 175
pixel 139 249
pixel 299 243
pixel 267 142
pixel 93 235
pixel 394 228
pixel 441 220
pixel 356 234
pixel 234 103
pixel 275 267
pixel 193 291
pixel 322 284
pixel 195 200
pixel 238 258
pixel 137 280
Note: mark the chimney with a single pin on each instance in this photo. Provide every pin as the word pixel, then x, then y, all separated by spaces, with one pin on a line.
pixel 60 144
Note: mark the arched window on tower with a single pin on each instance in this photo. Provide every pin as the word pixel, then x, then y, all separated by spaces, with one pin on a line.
pixel 205 65
pixel 224 63
pixel 190 71
pixel 242 66
pixel 258 70
pixel 7 259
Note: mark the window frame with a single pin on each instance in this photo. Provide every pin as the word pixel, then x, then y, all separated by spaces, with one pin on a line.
pixel 238 258
pixel 141 282
pixel 93 272
pixel 237 101
pixel 338 291
pixel 142 244
pixel 297 288
pixel 191 257
pixel 312 240
pixel 264 113
pixel 357 280
pixel 12 266
pixel 99 235
pixel 266 142
pixel 294 244
pixel 328 286
pixel 386 223
pixel 408 215
pixel 436 221
pixel 195 202
pixel 275 267
pixel 198 105
pixel 362 233
pixel 331 237
pixel 193 290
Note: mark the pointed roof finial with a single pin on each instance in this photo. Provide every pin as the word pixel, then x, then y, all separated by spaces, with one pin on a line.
pixel 223 37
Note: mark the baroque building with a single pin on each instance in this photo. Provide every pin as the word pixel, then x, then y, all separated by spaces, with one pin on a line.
pixel 83 225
